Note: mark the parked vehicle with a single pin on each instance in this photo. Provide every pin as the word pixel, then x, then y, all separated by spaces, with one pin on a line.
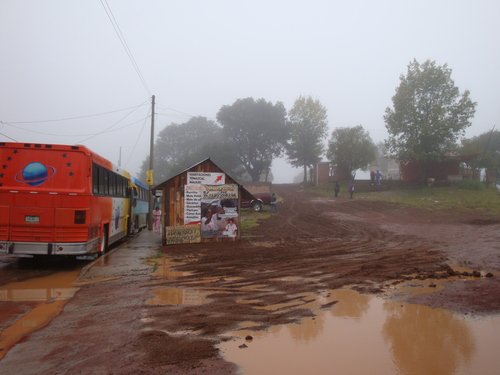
pixel 65 200
pixel 257 202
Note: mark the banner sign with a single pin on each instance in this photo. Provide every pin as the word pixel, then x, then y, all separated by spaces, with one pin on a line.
pixel 229 191
pixel 183 234
pixel 206 178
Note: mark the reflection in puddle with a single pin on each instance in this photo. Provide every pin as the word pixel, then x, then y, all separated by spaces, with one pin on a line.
pixel 165 270
pixel 51 292
pixel 179 296
pixel 48 288
pixel 362 334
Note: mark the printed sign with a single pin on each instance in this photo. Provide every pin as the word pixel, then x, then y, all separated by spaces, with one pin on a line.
pixel 206 178
pixel 183 234
pixel 192 204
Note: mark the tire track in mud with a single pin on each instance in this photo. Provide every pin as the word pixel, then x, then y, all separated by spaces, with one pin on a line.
pixel 311 248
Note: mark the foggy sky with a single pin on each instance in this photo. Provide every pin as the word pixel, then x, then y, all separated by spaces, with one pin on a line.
pixel 62 59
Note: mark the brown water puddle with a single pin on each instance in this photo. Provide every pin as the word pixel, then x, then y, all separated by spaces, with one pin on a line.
pixel 363 334
pixel 44 297
pixel 165 269
pixel 178 296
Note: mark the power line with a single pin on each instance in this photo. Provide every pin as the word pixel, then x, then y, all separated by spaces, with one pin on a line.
pixel 74 135
pixel 124 43
pixel 137 141
pixel 6 136
pixel 72 117
pixel 180 112
pixel 109 127
pixel 175 110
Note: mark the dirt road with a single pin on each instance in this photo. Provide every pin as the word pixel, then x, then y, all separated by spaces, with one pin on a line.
pixel 120 321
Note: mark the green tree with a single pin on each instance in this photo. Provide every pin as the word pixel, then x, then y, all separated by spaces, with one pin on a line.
pixel 179 146
pixel 258 130
pixel 351 149
pixel 483 151
pixel 429 113
pixel 308 129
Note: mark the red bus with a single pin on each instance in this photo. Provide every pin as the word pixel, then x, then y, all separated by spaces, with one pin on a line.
pixel 61 200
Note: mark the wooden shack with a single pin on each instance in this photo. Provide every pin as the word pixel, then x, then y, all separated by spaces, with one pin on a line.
pixel 201 204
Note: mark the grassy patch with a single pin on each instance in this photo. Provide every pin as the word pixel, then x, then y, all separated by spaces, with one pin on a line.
pixel 154 261
pixel 250 219
pixel 460 197
pixel 465 196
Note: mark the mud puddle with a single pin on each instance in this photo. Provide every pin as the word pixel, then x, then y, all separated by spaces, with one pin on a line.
pixel 32 304
pixel 354 333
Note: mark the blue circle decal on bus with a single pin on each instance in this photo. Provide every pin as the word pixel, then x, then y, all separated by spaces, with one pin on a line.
pixel 35 174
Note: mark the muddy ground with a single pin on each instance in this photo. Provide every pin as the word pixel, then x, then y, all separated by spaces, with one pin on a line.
pixel 115 325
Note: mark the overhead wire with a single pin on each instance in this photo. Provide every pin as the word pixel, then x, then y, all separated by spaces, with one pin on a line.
pixel 6 136
pixel 174 110
pixel 106 130
pixel 74 135
pixel 137 141
pixel 124 43
pixel 73 117
pixel 178 111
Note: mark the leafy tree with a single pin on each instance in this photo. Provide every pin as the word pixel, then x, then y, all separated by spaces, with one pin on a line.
pixel 351 149
pixel 483 151
pixel 308 129
pixel 258 130
pixel 429 113
pixel 179 146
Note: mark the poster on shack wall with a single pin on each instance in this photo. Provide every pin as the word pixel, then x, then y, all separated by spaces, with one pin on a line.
pixel 214 208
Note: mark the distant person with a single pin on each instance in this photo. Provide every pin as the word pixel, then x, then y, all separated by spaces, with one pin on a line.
pixel 337 189
pixel 157 220
pixel 378 177
pixel 372 177
pixel 274 203
pixel 351 189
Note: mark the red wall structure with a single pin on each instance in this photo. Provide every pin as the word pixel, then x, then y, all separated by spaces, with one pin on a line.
pixel 415 171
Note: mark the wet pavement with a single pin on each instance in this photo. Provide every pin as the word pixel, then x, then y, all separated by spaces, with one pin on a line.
pixel 47 285
pixel 32 303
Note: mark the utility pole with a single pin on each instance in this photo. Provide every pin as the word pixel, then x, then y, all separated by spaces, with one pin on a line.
pixel 149 174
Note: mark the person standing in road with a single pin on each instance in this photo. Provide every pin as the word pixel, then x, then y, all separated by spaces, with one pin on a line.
pixel 337 189
pixel 351 189
pixel 274 203
pixel 157 220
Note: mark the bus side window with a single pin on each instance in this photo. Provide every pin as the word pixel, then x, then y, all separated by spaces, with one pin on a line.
pixel 95 179
pixel 134 196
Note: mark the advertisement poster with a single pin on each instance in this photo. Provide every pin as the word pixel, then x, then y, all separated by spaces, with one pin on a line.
pixel 215 207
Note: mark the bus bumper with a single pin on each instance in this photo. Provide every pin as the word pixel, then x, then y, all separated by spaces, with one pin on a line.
pixel 37 248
